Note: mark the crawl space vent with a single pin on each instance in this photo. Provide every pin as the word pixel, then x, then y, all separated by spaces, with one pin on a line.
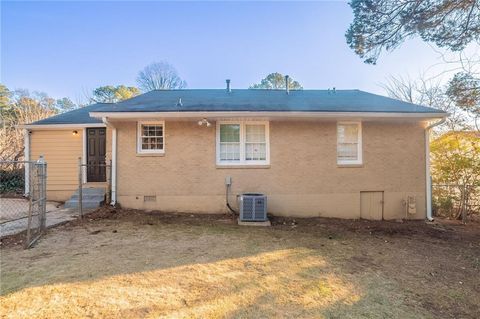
pixel 152 198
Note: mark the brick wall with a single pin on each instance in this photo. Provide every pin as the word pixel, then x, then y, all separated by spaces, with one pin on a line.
pixel 303 178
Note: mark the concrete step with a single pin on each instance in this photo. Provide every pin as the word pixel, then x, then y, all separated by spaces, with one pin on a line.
pixel 85 203
pixel 91 198
pixel 91 191
pixel 88 197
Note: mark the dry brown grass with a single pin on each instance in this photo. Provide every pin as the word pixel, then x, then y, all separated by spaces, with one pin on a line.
pixel 151 266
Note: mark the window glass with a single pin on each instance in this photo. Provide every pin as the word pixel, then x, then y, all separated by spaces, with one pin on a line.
pixel 229 133
pixel 348 139
pixel 255 144
pixel 152 137
pixel 242 143
pixel 229 142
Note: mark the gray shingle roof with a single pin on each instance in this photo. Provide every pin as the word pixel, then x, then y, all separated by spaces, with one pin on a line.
pixel 266 101
pixel 210 100
pixel 77 116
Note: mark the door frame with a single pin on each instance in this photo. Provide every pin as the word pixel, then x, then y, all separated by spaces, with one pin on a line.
pixel 85 151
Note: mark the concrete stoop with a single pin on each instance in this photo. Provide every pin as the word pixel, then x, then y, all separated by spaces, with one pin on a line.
pixel 91 198
pixel 255 223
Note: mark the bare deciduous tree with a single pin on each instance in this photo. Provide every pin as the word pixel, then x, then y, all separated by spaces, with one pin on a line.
pixel 159 76
pixel 428 93
pixel 464 89
pixel 20 107
pixel 383 25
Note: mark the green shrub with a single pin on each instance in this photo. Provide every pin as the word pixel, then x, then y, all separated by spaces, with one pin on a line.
pixel 12 181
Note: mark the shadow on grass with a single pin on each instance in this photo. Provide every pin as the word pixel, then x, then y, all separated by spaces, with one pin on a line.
pixel 146 267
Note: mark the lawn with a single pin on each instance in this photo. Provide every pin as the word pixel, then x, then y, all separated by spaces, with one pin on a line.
pixel 126 263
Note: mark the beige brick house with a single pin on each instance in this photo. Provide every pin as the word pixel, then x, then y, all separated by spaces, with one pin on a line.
pixel 332 153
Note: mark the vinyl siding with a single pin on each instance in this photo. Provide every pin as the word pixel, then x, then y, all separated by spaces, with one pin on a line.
pixel 61 150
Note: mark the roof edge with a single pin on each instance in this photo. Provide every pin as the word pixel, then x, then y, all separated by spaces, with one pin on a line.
pixel 60 125
pixel 281 114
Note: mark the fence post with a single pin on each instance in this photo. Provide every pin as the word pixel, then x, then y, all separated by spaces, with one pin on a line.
pixel 30 206
pixel 80 197
pixel 43 192
pixel 431 193
pixel 45 176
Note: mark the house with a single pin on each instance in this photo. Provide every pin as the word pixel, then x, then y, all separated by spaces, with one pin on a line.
pixel 331 153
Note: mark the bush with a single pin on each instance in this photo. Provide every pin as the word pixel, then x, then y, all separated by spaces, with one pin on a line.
pixel 443 205
pixel 12 181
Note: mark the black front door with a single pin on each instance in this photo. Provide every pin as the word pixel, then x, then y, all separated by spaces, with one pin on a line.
pixel 96 143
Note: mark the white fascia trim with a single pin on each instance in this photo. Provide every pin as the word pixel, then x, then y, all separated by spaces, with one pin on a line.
pixel 139 115
pixel 59 126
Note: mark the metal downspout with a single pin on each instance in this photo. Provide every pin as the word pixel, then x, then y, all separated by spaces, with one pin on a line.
pixel 113 168
pixel 427 168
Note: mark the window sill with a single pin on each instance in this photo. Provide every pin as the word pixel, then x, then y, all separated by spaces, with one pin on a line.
pixel 150 154
pixel 349 165
pixel 243 166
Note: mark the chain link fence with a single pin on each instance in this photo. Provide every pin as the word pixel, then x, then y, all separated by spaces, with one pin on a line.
pixel 23 196
pixel 38 200
pixel 13 201
pixel 456 201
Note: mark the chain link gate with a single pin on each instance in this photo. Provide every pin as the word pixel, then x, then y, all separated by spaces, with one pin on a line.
pixel 83 172
pixel 23 196
pixel 38 202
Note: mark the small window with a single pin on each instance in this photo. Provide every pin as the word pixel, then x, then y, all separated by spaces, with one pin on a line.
pixel 243 143
pixel 349 143
pixel 150 137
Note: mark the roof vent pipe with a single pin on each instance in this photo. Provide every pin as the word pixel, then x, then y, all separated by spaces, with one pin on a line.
pixel 286 84
pixel 229 90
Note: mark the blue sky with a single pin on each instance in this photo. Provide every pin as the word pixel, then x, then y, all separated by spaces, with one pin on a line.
pixel 68 48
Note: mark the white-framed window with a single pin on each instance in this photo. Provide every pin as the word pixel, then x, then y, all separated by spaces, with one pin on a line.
pixel 349 143
pixel 151 137
pixel 243 143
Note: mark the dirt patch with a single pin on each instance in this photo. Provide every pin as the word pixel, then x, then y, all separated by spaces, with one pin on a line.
pixel 12 195
pixel 128 263
pixel 443 229
pixel 440 229
pixel 149 218
pixel 13 240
